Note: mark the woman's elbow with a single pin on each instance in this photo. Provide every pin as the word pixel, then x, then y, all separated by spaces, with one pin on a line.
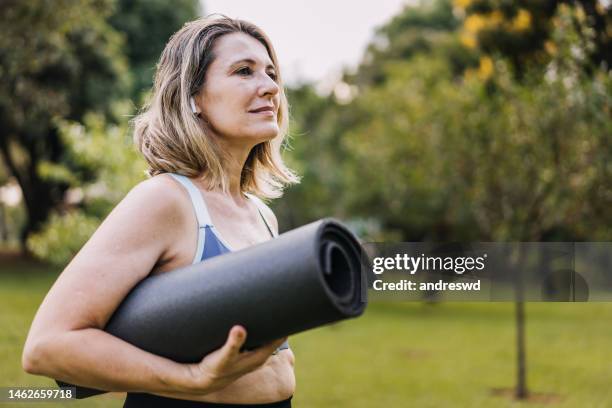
pixel 33 356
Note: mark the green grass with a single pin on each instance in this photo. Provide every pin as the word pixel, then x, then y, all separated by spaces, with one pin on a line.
pixel 397 354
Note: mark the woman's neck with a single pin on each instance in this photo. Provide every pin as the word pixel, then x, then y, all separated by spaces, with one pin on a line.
pixel 236 156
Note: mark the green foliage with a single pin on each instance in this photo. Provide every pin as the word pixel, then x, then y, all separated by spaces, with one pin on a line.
pixel 430 154
pixel 522 31
pixel 108 149
pixel 14 218
pixel 63 61
pixel 62 237
pixel 329 168
pixel 105 148
pixel 69 62
pixel 428 29
pixel 58 59
pixel 146 26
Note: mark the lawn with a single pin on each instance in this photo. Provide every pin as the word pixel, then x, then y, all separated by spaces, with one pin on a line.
pixel 396 355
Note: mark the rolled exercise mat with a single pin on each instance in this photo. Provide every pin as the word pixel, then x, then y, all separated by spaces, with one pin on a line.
pixel 303 279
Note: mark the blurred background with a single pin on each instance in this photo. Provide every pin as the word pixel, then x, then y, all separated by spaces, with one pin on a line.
pixel 439 120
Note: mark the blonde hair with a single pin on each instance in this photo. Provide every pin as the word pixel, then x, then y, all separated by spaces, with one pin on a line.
pixel 172 139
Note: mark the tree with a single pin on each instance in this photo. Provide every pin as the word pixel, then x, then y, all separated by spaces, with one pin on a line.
pixel 321 125
pixel 146 26
pixel 426 29
pixel 522 30
pixel 116 172
pixel 73 63
pixel 68 63
pixel 512 148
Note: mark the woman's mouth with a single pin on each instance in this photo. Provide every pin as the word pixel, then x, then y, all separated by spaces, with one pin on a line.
pixel 264 110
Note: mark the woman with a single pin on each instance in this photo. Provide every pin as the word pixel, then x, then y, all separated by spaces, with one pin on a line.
pixel 211 135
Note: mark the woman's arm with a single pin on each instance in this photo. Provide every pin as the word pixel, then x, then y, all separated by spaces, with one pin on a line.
pixel 66 340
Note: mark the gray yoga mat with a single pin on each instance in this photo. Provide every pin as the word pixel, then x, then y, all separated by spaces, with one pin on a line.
pixel 303 279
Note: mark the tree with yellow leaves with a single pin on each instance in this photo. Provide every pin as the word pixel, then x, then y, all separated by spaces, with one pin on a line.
pixel 522 30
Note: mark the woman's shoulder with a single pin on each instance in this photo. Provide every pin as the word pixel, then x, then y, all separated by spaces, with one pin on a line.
pixel 160 194
pixel 161 184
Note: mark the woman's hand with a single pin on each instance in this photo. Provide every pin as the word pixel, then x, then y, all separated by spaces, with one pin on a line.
pixel 225 365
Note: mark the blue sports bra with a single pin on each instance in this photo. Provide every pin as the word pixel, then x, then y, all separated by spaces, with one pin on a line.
pixel 210 243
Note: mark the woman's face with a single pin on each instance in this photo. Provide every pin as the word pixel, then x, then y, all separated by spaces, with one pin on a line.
pixel 240 96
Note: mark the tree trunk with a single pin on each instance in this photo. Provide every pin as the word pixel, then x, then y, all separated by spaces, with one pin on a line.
pixel 521 375
pixel 521 391
pixel 40 196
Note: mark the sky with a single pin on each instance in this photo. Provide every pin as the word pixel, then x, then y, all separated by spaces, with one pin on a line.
pixel 314 39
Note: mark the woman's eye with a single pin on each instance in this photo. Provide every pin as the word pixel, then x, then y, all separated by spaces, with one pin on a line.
pixel 272 75
pixel 244 71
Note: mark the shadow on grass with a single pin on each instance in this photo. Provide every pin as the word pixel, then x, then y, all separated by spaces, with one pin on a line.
pixel 533 397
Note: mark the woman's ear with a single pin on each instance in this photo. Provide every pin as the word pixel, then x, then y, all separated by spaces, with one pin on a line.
pixel 194 107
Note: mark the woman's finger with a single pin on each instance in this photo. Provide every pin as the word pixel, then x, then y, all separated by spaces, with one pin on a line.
pixel 235 341
pixel 257 357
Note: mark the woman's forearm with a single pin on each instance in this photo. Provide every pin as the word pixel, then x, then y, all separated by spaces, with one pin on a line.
pixel 96 359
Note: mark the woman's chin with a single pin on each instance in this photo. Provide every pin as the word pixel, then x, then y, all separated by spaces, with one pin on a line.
pixel 264 135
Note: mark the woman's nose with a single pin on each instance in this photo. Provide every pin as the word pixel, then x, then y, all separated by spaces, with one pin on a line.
pixel 267 86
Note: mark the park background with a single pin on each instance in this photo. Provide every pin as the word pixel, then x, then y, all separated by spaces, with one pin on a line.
pixel 466 120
